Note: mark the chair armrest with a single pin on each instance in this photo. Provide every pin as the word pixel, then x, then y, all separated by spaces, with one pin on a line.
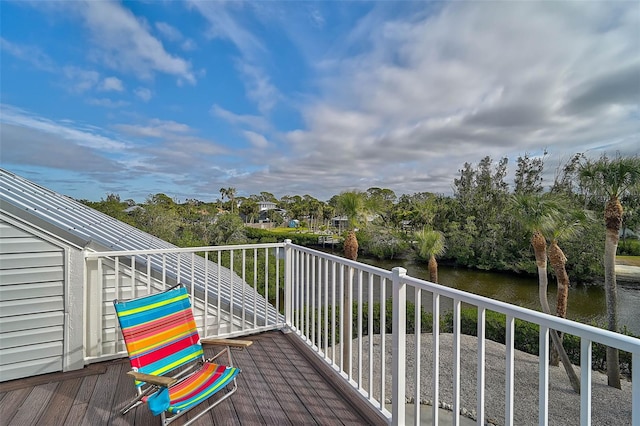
pixel 227 342
pixel 154 380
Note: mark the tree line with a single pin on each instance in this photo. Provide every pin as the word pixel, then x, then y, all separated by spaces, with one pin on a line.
pixel 485 224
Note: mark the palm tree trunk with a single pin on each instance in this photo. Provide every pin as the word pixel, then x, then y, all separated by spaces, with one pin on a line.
pixel 611 296
pixel 613 220
pixel 558 261
pixel 351 246
pixel 433 269
pixel 539 244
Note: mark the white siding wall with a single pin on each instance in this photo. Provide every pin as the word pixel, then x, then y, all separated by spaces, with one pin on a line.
pixel 32 299
pixel 103 339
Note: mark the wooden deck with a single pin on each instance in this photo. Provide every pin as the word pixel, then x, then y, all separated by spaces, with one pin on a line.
pixel 281 384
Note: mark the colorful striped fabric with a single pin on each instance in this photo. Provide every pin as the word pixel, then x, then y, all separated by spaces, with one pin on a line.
pixel 161 335
pixel 159 331
pixel 200 386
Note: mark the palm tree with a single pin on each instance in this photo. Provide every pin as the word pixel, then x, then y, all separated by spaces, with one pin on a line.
pixel 231 193
pixel 565 225
pixel 431 244
pixel 223 193
pixel 351 205
pixel 612 179
pixel 536 213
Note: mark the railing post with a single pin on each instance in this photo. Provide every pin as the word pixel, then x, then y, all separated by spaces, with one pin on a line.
pixel 635 389
pixel 288 283
pixel 399 348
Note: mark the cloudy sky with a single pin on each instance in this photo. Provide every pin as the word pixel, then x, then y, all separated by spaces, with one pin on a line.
pixel 301 97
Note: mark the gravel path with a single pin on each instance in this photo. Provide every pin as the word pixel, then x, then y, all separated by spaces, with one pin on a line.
pixel 609 406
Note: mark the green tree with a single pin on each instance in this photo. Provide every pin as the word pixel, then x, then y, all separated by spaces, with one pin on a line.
pixel 564 225
pixel 610 180
pixel 351 204
pixel 229 193
pixel 535 214
pixel 528 176
pixel 430 244
pixel 250 210
pixel 228 229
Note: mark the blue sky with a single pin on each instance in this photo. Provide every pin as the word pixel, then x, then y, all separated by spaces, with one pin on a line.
pixel 298 97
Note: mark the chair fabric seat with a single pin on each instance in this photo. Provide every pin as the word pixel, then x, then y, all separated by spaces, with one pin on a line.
pixel 200 385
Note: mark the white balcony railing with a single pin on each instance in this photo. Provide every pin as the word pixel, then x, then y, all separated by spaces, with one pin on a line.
pixel 241 290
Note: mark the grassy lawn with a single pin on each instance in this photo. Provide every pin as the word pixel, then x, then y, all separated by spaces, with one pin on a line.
pixel 628 260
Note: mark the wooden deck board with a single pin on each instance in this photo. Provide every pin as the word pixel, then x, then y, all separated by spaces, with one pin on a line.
pixel 63 398
pixel 278 385
pixel 34 404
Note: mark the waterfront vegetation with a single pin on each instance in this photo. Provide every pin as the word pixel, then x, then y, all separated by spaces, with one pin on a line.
pixel 480 223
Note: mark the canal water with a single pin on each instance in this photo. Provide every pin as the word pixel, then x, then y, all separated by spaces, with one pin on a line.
pixel 586 304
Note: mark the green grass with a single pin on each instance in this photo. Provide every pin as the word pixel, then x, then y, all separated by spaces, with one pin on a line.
pixel 628 260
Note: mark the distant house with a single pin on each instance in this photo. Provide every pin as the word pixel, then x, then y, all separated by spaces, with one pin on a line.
pixel 265 215
pixel 266 205
pixel 340 222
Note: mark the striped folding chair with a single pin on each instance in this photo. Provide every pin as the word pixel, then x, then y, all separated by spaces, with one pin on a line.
pixel 170 371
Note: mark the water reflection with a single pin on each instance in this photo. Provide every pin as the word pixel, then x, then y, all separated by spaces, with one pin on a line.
pixel 586 304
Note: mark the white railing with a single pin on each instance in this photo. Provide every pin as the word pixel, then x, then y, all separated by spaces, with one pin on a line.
pixel 236 289
pixel 324 298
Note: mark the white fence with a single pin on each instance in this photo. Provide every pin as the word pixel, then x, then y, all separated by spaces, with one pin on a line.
pixel 241 290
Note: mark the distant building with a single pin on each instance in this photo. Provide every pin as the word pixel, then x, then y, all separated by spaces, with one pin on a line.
pixel 266 205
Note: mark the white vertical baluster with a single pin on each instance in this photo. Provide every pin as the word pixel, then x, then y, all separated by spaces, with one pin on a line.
pixel 481 362
pixel 206 294
pixel 244 280
pixel 383 340
pixel 333 311
pixel 456 362
pixel 343 327
pixel 543 377
pixel 266 285
pixel 326 307
pixel 418 355
pixel 585 383
pixel 399 349
pixel 312 290
pixel 255 287
pixel 635 389
pixel 370 332
pixel 360 329
pixel 436 358
pixel 509 331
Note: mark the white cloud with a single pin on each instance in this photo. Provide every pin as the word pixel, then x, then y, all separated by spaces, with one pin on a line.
pixel 496 86
pixel 80 80
pixel 256 139
pixel 222 24
pixel 66 130
pixel 155 128
pixel 125 44
pixel 254 121
pixel 258 86
pixel 169 32
pixel 188 45
pixel 111 84
pixel 143 94
pixel 32 54
pixel 107 103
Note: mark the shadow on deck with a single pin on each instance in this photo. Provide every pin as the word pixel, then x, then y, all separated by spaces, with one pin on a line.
pixel 281 384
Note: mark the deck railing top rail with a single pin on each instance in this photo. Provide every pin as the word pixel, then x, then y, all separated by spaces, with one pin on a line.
pixel 600 335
